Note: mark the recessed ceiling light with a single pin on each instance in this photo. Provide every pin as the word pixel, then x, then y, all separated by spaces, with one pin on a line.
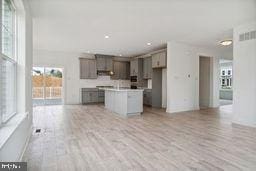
pixel 106 36
pixel 226 42
pixel 148 44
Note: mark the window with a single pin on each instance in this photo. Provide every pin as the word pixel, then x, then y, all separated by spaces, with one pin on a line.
pixel 229 72
pixel 7 62
pixel 223 82
pixel 223 72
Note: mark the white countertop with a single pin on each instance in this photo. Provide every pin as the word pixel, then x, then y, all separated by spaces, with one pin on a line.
pixel 120 89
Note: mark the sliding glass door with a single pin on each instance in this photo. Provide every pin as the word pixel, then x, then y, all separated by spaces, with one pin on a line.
pixel 47 86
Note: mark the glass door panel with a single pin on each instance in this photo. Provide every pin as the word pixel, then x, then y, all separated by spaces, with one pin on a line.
pixel 38 83
pixel 47 86
pixel 53 83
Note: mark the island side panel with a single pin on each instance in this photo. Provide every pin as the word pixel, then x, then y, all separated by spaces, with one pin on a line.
pixel 109 100
pixel 121 102
pixel 134 102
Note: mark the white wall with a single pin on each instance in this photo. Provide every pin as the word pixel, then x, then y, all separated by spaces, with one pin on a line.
pixel 20 124
pixel 72 83
pixel 183 76
pixel 214 81
pixel 244 69
pixel 164 87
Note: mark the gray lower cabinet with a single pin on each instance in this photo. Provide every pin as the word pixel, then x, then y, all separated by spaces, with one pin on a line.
pixel 101 96
pixel 92 95
pixel 88 68
pixel 159 60
pixel 121 70
pixel 147 97
pixel 147 68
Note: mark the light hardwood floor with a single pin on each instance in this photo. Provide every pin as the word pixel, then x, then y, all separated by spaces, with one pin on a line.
pixel 92 138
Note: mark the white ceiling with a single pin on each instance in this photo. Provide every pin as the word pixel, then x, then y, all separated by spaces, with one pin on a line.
pixel 80 25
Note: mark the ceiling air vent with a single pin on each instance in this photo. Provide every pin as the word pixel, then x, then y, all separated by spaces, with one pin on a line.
pixel 247 36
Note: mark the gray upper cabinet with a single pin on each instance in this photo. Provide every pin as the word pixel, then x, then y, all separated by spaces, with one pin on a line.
pixel 92 69
pixel 159 60
pixel 101 63
pixel 134 67
pixel 116 68
pixel 88 68
pixel 125 71
pixel 104 63
pixel 147 68
pixel 109 64
pixel 121 70
pixel 127 64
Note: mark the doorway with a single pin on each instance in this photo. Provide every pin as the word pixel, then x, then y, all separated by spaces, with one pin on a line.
pixel 204 82
pixel 226 82
pixel 47 86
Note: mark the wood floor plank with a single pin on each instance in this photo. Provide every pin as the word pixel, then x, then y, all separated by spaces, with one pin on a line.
pixel 76 137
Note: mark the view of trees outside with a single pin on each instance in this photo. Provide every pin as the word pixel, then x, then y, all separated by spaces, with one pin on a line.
pixel 47 83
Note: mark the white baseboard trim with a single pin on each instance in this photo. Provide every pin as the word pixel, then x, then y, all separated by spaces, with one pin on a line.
pixel 244 123
pixel 181 110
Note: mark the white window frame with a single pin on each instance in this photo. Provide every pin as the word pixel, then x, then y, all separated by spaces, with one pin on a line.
pixel 12 59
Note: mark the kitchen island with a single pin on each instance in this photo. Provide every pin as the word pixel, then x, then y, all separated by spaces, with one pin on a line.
pixel 126 102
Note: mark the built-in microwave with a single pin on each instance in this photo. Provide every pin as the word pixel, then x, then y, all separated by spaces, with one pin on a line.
pixel 133 78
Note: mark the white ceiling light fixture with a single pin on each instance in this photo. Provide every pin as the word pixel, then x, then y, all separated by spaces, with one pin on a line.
pixel 149 44
pixel 226 42
pixel 106 36
pixel 120 55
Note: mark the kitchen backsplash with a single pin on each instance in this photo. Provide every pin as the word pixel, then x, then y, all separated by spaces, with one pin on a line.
pixel 103 81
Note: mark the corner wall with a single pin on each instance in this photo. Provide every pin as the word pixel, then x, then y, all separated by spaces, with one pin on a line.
pixel 183 77
pixel 214 81
pixel 244 79
pixel 21 124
